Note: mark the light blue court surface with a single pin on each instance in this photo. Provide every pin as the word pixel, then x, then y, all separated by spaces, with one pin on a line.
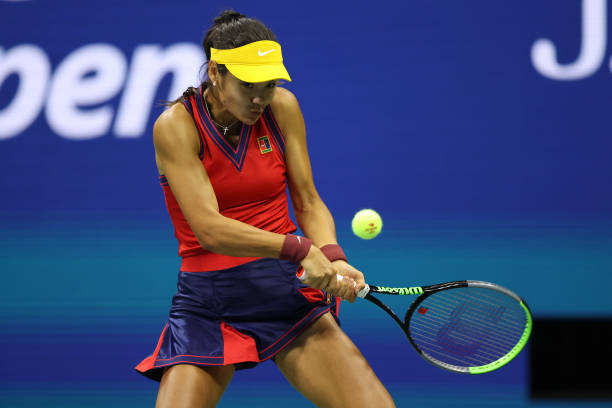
pixel 83 302
pixel 274 394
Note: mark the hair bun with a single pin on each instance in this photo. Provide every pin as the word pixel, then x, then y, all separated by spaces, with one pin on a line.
pixel 228 16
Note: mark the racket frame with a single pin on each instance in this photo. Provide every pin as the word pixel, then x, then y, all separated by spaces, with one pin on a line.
pixel 424 292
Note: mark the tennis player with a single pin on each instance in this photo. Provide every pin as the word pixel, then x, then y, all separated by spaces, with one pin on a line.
pixel 226 152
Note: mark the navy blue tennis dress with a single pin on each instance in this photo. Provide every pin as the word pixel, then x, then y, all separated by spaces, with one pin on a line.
pixel 236 310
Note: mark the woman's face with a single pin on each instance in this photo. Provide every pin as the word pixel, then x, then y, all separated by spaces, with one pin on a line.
pixel 245 101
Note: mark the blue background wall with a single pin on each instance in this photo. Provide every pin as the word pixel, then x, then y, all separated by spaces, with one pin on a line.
pixel 487 157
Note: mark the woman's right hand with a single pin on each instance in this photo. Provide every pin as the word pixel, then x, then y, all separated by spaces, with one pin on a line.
pixel 322 274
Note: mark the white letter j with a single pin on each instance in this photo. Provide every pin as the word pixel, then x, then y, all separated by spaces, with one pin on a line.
pixel 544 54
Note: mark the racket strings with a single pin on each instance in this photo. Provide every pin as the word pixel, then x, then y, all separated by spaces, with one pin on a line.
pixel 460 346
pixel 463 339
pixel 496 348
pixel 438 318
pixel 466 332
pixel 467 326
pixel 507 325
pixel 484 357
pixel 492 351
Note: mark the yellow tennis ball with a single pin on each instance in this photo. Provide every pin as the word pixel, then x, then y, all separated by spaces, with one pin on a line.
pixel 367 224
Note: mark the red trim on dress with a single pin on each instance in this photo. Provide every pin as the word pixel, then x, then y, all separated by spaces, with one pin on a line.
pixel 237 347
pixel 206 263
pixel 201 127
pixel 188 362
pixel 186 355
pixel 277 127
pixel 312 294
pixel 149 362
pixel 338 300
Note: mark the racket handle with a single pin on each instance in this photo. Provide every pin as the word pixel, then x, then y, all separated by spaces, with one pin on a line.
pixel 362 293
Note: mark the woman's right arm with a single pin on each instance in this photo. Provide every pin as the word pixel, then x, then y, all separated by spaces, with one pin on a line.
pixel 176 151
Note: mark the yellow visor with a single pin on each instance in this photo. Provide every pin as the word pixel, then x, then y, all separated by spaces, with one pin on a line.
pixel 258 61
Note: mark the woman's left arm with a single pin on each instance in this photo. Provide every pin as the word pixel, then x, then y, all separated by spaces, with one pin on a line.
pixel 311 213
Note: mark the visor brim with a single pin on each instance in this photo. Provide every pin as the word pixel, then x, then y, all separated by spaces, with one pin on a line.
pixel 259 73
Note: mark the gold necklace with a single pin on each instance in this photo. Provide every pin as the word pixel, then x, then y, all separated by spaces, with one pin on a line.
pixel 225 128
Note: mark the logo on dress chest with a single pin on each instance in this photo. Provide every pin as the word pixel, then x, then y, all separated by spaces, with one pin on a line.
pixel 264 144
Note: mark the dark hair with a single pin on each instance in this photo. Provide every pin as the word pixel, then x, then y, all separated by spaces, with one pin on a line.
pixel 229 30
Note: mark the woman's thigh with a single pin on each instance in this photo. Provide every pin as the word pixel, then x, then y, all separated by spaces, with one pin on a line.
pixel 191 386
pixel 328 369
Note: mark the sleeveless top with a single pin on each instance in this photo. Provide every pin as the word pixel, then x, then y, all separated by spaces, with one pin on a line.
pixel 249 180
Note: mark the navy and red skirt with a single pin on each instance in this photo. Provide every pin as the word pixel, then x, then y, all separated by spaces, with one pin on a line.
pixel 242 316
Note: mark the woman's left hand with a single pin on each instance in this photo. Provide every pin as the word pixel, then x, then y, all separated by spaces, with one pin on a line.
pixel 349 292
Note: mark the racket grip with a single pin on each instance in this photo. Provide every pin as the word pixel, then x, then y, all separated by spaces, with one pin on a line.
pixel 362 293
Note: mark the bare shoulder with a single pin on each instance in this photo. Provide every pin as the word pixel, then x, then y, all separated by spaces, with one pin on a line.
pixel 286 110
pixel 284 100
pixel 175 127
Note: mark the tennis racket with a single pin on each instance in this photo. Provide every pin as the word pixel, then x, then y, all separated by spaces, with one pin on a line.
pixel 470 327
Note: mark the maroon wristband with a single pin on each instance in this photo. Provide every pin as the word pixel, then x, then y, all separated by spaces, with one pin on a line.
pixel 333 252
pixel 295 248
